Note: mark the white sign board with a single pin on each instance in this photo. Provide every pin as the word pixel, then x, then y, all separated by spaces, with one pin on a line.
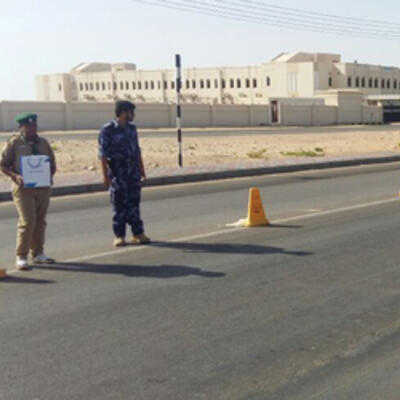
pixel 36 171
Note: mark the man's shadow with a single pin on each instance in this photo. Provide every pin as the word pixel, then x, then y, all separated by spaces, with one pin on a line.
pixel 228 248
pixel 19 279
pixel 173 271
pixel 133 271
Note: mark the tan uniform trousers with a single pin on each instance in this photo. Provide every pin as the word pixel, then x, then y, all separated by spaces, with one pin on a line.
pixel 32 205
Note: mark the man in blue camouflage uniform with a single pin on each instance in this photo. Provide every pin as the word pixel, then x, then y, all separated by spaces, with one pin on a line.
pixel 123 172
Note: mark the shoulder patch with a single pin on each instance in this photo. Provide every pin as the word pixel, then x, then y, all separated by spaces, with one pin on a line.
pixel 13 137
pixel 108 125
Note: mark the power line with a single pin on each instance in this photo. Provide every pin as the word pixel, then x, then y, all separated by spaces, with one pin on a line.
pixel 244 10
pixel 325 19
pixel 282 20
pixel 324 15
pixel 245 15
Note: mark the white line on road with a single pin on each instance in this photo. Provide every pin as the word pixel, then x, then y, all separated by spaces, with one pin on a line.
pixel 231 230
pixel 339 210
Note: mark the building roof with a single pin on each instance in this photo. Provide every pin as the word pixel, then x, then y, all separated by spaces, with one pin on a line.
pixel 92 67
pixel 306 57
pixel 102 67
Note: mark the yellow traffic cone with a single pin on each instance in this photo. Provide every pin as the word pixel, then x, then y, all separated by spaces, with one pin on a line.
pixel 3 273
pixel 255 215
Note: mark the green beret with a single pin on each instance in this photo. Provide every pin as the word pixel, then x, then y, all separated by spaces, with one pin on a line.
pixel 25 118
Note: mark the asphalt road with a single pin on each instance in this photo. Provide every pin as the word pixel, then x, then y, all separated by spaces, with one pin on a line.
pixel 210 132
pixel 307 308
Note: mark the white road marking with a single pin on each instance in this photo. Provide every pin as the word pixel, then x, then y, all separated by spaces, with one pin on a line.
pixel 339 210
pixel 132 248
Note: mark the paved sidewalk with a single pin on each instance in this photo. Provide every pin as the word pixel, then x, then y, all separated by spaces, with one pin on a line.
pixel 91 181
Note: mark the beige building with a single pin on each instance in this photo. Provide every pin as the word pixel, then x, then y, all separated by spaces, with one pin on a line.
pixel 289 75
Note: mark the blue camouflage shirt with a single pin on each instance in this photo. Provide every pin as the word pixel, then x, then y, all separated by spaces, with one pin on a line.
pixel 120 146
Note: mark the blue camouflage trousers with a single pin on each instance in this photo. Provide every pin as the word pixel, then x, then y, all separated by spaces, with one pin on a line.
pixel 125 200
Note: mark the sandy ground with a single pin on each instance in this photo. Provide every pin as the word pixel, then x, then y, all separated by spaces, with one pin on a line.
pixel 77 156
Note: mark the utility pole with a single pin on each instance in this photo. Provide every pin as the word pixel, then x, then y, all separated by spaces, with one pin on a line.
pixel 178 107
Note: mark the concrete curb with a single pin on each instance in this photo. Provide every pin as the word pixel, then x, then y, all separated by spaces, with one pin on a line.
pixel 212 175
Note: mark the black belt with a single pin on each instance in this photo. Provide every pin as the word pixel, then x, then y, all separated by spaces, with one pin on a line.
pixel 121 163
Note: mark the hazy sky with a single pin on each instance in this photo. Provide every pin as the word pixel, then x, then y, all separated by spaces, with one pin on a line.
pixel 49 36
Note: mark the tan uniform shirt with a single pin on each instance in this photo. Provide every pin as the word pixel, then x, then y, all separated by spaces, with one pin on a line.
pixel 18 146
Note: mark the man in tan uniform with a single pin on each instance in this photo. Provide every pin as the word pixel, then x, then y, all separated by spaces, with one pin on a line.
pixel 31 203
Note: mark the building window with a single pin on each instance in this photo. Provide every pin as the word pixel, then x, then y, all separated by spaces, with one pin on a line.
pixel 247 83
pixel 133 85
pixel 152 85
pixel 172 85
pixel 357 82
pixel 146 85
pixel 254 83
pixel 165 85
pixel 81 86
pixel 232 82
pixel 363 82
pixel 139 84
pixel 208 84
pixel 383 84
pixel 238 83
pixel 292 78
pixel 201 84
pixel 330 81
pixel 103 86
pixel 216 83
pixel 187 84
pixel 394 84
pixel 349 81
pixel 193 84
pixel 370 83
pixel 223 84
pixel 97 86
pixel 159 85
pixel 376 84
pixel 91 86
pixel 115 85
pixel 268 81
pixel 388 83
pixel 126 85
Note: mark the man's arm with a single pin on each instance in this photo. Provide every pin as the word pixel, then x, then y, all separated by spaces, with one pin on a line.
pixel 7 157
pixel 103 143
pixel 53 164
pixel 16 178
pixel 141 166
pixel 104 170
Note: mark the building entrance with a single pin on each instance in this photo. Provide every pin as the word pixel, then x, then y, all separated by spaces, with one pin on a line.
pixel 391 111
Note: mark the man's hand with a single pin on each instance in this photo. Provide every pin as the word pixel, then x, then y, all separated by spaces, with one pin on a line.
pixel 142 171
pixel 104 170
pixel 106 181
pixel 18 179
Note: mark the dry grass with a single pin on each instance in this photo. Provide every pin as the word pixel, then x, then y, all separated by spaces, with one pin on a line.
pixel 75 156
